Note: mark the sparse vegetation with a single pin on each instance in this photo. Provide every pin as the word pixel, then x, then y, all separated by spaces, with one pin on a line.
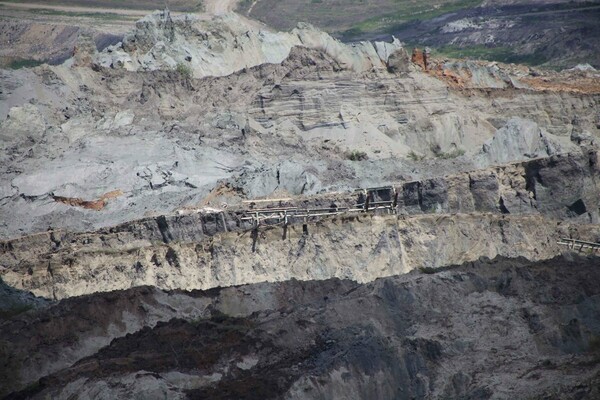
pixel 406 12
pixel 184 70
pixel 357 155
pixel 415 157
pixel 354 20
pixel 451 154
pixel 350 17
pixel 447 155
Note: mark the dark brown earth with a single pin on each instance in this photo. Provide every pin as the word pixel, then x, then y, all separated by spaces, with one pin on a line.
pixel 448 334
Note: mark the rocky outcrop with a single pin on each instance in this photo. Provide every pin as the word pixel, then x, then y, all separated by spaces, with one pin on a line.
pixel 227 44
pixel 399 62
pixel 550 186
pixel 420 57
pixel 23 123
pixel 520 138
pixel 84 51
pixel 473 74
pixel 381 246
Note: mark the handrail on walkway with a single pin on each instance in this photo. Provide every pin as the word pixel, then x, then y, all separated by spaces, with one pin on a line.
pixel 579 245
pixel 288 214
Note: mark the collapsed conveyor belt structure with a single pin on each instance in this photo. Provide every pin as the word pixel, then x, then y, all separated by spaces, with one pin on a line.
pixel 380 199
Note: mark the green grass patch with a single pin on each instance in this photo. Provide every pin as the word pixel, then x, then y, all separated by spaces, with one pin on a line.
pixel 415 157
pixel 18 64
pixel 451 154
pixel 356 155
pixel 437 151
pixel 406 12
pixel 184 70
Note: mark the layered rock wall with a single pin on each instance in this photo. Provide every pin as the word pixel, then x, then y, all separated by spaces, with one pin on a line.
pixel 508 211
pixel 381 246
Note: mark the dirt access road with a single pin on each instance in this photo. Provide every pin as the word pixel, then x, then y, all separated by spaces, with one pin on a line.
pixel 212 7
pixel 72 9
pixel 216 7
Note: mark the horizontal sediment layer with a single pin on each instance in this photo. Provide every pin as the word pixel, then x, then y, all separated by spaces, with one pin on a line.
pixel 381 245
pixel 514 210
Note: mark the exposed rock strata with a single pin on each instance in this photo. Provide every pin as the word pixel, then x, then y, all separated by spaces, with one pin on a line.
pixel 265 130
pixel 304 118
pixel 381 246
pixel 201 251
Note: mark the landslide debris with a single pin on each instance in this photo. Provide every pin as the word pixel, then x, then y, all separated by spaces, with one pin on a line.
pixel 485 329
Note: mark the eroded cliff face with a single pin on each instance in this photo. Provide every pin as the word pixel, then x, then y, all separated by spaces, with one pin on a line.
pixel 131 176
pixel 487 329
pixel 290 126
pixel 380 246
pixel 514 210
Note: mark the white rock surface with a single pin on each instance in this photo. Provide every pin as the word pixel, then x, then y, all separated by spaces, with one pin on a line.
pixel 520 137
pixel 227 44
pixel 27 120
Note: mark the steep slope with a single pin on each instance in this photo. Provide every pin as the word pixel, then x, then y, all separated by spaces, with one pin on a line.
pixel 516 210
pixel 289 128
pixel 488 329
pixel 395 221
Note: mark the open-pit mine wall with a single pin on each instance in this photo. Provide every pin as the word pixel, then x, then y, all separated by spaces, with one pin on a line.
pixel 513 210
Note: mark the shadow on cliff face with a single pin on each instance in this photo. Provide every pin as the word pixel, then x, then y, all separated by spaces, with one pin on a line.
pixel 14 301
pixel 505 327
